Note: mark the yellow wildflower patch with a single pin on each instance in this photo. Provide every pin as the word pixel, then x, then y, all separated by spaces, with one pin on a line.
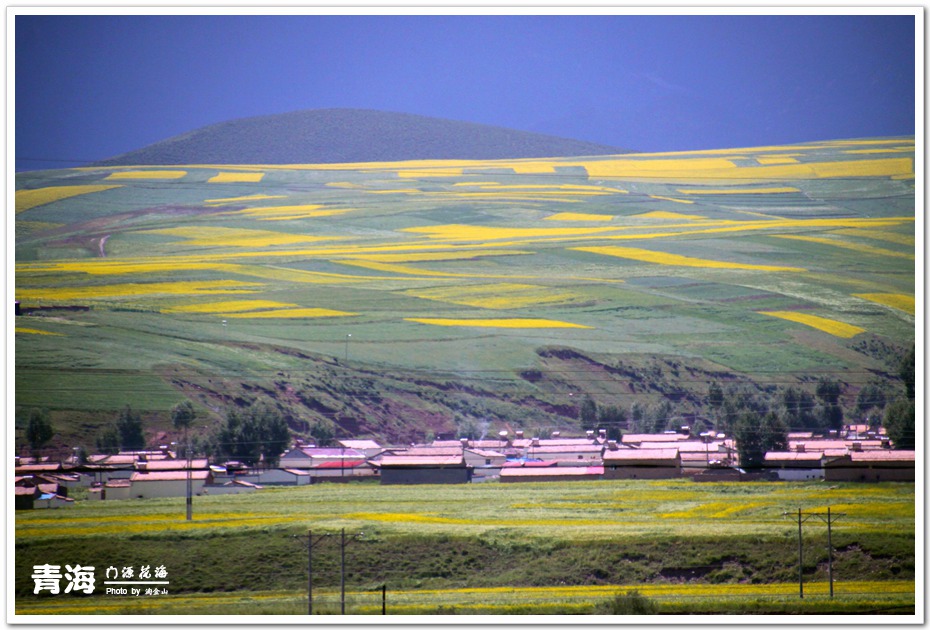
pixel 229 306
pixel 147 175
pixel 899 301
pixel 26 199
pixel 495 323
pixel 192 287
pixel 211 236
pixel 661 198
pixel 401 269
pixel 774 190
pixel 35 331
pixel 532 168
pixel 831 326
pixel 856 247
pixel 433 172
pixel 659 214
pixel 776 159
pixel 484 233
pixel 663 258
pixel 287 213
pixel 723 169
pixel 236 178
pixel 889 237
pixel 579 216
pixel 291 313
pixel 464 254
pixel 259 197
pixel 496 296
pixel 650 168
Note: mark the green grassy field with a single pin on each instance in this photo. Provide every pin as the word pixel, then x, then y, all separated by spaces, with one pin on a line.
pixel 677 256
pixel 490 549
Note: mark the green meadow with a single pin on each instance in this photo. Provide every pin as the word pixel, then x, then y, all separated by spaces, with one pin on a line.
pixel 491 548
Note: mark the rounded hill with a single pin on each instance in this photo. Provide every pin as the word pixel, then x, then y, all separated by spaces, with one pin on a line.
pixel 327 136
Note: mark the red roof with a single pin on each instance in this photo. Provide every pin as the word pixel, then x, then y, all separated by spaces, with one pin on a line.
pixel 343 463
pixel 428 462
pixel 565 471
pixel 180 475
pixel 641 454
pixel 636 438
pixel 784 456
pixel 519 464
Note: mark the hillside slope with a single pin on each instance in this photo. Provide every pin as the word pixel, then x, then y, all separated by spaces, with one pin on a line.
pixel 405 299
pixel 325 136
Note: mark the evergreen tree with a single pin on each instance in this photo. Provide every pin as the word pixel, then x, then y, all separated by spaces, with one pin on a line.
pixel 39 430
pixel 755 436
pixel 831 414
pixel 587 415
pixel 611 418
pixel 129 427
pixel 183 415
pixel 258 433
pixel 108 441
pixel 900 423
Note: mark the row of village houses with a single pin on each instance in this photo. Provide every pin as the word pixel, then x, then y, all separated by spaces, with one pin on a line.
pixel 852 455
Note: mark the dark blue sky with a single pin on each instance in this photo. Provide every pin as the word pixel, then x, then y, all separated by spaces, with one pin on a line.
pixel 90 87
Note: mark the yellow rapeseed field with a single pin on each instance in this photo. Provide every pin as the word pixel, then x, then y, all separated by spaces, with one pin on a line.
pixel 35 331
pixel 193 287
pixel 877 235
pixel 579 216
pixel 288 213
pixel 147 175
pixel 660 214
pixel 211 236
pixel 856 247
pixel 831 326
pixel 487 233
pixel 495 323
pixel 738 191
pixel 229 306
pixel 899 301
pixel 496 296
pixel 661 198
pixel 236 178
pixel 27 199
pixel 663 258
pixel 291 313
pixel 259 197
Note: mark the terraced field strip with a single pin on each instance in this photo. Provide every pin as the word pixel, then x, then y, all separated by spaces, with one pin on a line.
pixel 831 326
pixel 27 199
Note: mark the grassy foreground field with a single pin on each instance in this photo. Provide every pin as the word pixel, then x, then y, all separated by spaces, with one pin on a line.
pixel 490 549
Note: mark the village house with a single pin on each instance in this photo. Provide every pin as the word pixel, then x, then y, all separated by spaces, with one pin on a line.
pixel 874 465
pixel 419 469
pixel 640 463
pixel 550 471
pixel 150 485
pixel 795 466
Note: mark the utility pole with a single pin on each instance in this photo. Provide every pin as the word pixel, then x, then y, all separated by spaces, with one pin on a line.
pixel 310 544
pixel 190 481
pixel 342 580
pixel 829 518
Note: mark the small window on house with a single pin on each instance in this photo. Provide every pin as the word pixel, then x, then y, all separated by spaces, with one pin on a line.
pixel 581 457
pixel 487 462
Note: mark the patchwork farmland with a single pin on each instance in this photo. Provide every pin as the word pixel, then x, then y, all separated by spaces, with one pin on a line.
pixel 768 265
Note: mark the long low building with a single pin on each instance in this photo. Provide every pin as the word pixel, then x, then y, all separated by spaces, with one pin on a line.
pixel 512 474
pixel 640 463
pixel 407 469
